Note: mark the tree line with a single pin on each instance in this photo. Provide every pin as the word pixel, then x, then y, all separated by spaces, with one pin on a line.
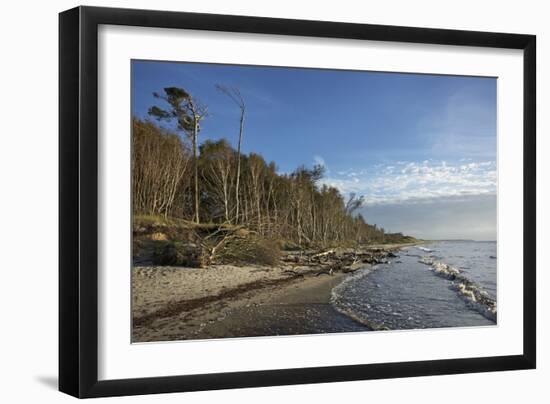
pixel 179 177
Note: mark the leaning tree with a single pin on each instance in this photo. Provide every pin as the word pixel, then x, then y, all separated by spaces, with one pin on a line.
pixel 188 113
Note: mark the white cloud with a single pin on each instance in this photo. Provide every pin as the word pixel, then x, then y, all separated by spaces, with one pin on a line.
pixel 415 182
pixel 352 173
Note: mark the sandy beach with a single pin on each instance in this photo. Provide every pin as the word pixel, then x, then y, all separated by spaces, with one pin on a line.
pixel 221 302
pixel 224 301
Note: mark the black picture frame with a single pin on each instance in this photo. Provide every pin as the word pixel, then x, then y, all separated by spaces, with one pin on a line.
pixel 78 201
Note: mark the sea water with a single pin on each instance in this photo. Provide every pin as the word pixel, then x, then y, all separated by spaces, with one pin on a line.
pixel 440 284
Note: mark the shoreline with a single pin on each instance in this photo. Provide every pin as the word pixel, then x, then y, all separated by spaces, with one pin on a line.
pixel 298 308
pixel 224 301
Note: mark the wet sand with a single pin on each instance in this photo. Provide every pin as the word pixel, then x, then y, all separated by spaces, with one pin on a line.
pixel 278 304
pixel 297 309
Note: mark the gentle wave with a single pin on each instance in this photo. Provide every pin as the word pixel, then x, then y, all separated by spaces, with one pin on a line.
pixel 341 306
pixel 404 295
pixel 476 297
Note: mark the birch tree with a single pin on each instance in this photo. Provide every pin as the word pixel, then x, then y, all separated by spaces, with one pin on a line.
pixel 188 114
pixel 235 95
pixel 217 159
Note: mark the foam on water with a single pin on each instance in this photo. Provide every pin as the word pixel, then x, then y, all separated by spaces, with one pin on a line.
pixel 474 294
pixel 445 284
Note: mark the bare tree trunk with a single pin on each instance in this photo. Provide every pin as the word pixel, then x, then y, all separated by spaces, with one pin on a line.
pixel 238 167
pixel 196 161
pixel 237 98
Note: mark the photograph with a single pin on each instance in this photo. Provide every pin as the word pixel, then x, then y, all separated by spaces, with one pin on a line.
pixel 271 201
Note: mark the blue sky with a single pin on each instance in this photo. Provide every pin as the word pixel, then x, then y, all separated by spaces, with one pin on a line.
pixel 407 142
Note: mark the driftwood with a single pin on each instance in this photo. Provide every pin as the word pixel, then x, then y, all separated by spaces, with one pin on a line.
pixel 323 254
pixel 216 240
pixel 329 262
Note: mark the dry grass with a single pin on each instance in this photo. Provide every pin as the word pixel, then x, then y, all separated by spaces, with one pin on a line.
pixel 251 250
